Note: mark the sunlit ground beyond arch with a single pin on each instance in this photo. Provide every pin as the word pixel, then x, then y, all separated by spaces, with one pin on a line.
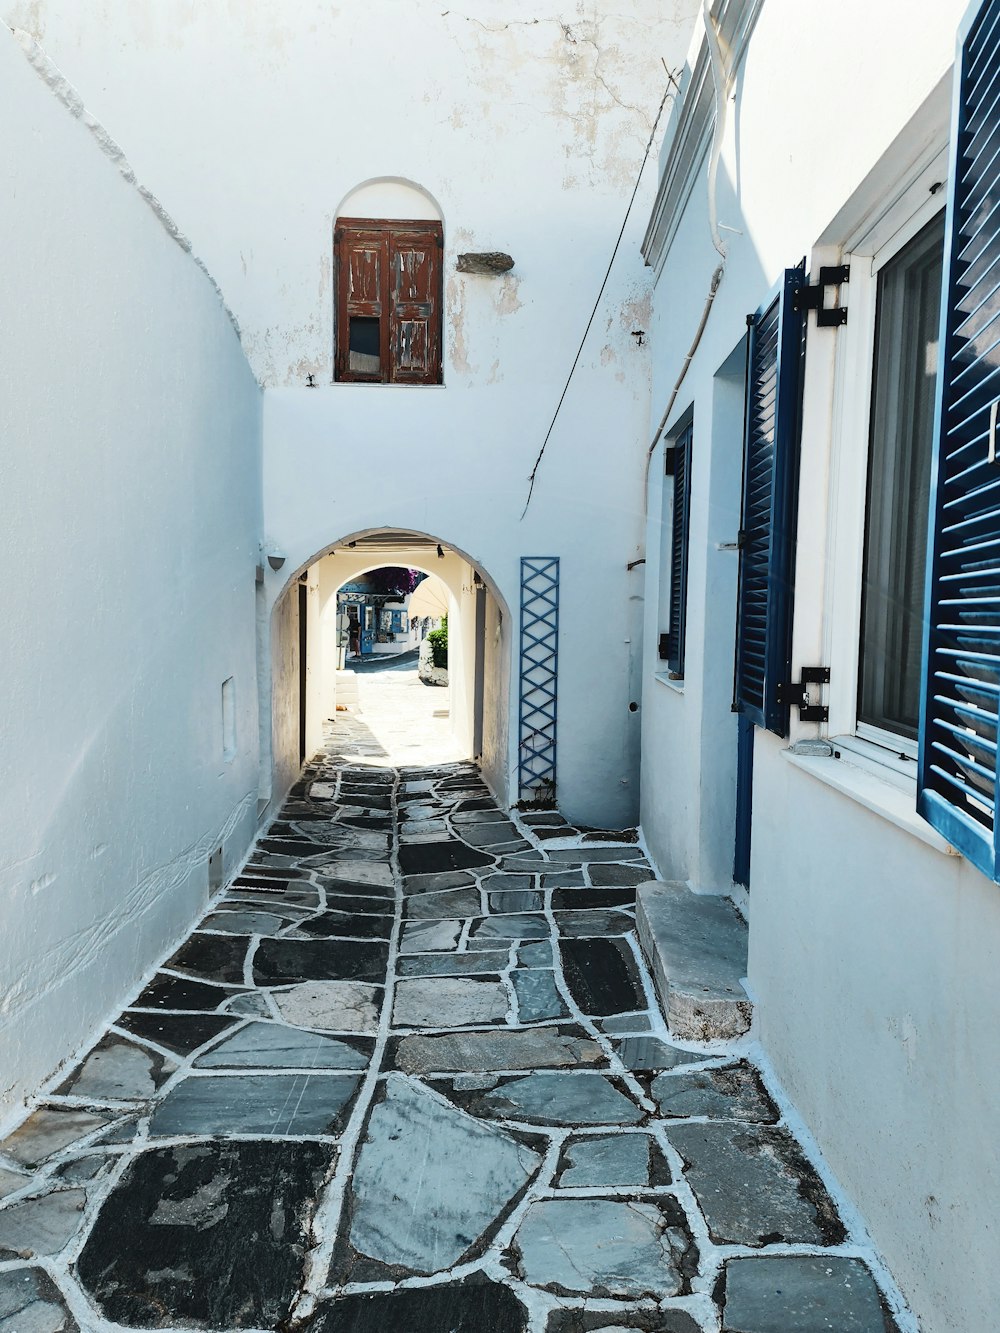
pixel 387 716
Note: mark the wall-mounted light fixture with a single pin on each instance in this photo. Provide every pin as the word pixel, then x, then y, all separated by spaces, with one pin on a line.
pixel 275 557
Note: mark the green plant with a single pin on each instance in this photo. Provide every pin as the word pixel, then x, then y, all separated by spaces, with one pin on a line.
pixel 438 640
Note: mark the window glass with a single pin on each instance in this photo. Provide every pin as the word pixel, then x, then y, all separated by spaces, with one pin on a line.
pixel 365 351
pixel 902 426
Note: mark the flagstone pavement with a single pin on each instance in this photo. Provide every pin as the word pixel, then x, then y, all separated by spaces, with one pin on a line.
pixel 408 1073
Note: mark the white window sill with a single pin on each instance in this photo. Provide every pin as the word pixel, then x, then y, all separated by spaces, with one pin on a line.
pixel 665 678
pixel 879 788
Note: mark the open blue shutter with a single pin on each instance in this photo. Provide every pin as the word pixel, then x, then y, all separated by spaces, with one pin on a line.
pixel 681 460
pixel 957 782
pixel 770 493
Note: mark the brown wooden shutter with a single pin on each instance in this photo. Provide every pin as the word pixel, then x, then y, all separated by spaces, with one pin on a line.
pixel 415 303
pixel 362 282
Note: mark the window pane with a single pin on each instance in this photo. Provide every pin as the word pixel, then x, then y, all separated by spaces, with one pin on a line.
pixel 902 424
pixel 364 345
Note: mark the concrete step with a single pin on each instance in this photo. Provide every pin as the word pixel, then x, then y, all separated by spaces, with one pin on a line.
pixel 696 946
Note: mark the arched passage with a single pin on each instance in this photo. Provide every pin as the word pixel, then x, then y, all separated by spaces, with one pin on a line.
pixel 303 637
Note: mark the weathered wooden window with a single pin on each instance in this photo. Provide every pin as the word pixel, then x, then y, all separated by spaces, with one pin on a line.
pixel 388 301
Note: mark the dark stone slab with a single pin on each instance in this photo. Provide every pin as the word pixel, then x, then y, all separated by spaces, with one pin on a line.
pixel 754 1185
pixel 647 1321
pixel 486 835
pixel 296 847
pixel 560 879
pixel 512 926
pixel 631 1248
pixel 212 957
pixel 256 1104
pixel 365 800
pixel 48 1131
pixel 277 1046
pixel 182 1033
pixel 433 858
pixel 574 899
pixel 514 900
pixel 801 1294
pixel 578 855
pixel 733 1092
pixel 166 992
pixel 367 906
pixel 270 883
pixel 537 994
pixel 601 921
pixel 602 975
pixel 30 1302
pixel 205 1235
pixel 534 1048
pixel 355 888
pixel 560 1098
pixel 474 1306
pixel 118 1070
pixel 437 883
pixel 479 963
pixel 507 883
pixel 347 925
pixel 647 1053
pixel 619 874
pixel 280 962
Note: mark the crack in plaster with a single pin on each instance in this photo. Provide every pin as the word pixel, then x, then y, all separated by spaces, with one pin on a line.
pixel 77 951
pixel 61 88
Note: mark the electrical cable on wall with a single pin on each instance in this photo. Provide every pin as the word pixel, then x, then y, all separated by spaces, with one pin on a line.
pixel 671 85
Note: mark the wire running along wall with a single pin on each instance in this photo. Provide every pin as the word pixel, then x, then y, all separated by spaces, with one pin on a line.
pixel 539 659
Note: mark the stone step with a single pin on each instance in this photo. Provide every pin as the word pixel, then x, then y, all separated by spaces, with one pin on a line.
pixel 696 946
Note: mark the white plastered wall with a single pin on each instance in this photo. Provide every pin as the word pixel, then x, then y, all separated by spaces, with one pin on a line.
pixel 543 173
pixel 873 953
pixel 130 485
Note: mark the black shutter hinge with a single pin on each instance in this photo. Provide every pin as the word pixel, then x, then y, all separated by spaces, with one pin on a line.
pixel 664 648
pixel 811 298
pixel 797 695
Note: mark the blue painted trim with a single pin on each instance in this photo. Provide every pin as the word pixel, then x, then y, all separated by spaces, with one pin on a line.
pixel 782 520
pixel 973 839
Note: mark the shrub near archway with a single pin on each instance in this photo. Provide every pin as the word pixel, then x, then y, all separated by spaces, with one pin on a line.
pixel 438 640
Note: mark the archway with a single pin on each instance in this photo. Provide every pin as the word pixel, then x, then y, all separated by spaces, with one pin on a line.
pixel 305 638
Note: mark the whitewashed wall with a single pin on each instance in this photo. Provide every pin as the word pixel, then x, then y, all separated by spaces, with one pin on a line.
pixel 129 485
pixel 526 130
pixel 872 951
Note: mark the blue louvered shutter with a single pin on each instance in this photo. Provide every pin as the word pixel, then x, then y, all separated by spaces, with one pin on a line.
pixel 680 457
pixel 770 494
pixel 957 782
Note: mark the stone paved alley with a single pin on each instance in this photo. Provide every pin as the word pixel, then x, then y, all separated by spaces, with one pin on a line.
pixel 408 1074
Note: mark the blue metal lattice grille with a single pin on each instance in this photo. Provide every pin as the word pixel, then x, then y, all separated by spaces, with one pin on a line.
pixel 958 745
pixel 539 676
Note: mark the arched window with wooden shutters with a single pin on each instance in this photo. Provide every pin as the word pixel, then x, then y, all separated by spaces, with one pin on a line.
pixel 957 781
pixel 389 280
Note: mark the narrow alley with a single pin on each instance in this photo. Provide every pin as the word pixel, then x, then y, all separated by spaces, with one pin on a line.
pixel 409 1073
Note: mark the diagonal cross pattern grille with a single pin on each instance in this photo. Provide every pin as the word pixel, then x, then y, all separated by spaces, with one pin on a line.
pixel 538 676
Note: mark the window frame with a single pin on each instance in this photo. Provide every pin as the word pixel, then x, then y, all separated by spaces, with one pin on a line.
pixel 873 245
pixel 385 231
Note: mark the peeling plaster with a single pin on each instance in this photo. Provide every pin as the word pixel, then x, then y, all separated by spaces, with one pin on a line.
pixel 53 78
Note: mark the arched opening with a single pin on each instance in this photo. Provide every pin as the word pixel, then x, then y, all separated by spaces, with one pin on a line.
pixel 320 678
